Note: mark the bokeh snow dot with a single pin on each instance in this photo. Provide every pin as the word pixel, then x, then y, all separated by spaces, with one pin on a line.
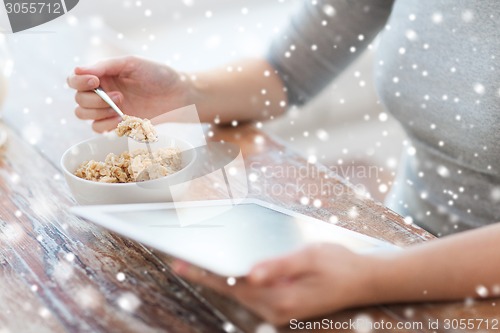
pixel 495 194
pixel 259 139
pixel 383 116
pixel 70 256
pixel 334 219
pixel 366 323
pixel 479 88
pixel 353 213
pixel 265 328
pixel 467 15
pixel 382 188
pixel 408 220
pixel 12 233
pixel 443 171
pixel 88 298
pixel 437 18
pixel 231 281
pixel 329 10
pixel 228 327
pixel 128 302
pixel 253 177
pixel 44 312
pixel 322 134
pixel 411 151
pixel 411 35
pixel 63 271
pixel 312 159
pixel 482 291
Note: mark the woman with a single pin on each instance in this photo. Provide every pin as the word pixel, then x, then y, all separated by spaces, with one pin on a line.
pixel 436 72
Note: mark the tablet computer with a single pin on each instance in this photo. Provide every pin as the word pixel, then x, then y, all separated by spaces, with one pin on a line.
pixel 220 236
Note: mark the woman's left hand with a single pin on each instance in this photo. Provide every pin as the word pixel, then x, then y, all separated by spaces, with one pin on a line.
pixel 316 280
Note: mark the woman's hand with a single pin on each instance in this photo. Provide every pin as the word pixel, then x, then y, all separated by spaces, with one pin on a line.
pixel 317 280
pixel 326 278
pixel 139 87
pixel 147 89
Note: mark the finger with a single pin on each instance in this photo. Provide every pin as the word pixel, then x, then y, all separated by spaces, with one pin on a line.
pixel 106 67
pixel 91 100
pixel 94 114
pixel 284 268
pixel 267 302
pixel 105 125
pixel 83 82
pixel 201 276
pixel 274 305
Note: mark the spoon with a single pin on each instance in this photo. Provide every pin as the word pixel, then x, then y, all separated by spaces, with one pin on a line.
pixel 110 102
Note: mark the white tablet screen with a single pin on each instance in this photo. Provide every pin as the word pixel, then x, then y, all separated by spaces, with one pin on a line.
pixel 226 239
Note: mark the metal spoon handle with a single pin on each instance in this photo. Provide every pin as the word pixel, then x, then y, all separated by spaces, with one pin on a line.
pixel 108 100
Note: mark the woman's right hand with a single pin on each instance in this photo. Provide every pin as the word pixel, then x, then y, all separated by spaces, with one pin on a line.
pixel 139 87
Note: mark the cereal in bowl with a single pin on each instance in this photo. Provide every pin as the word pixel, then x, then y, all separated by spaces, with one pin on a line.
pixel 129 167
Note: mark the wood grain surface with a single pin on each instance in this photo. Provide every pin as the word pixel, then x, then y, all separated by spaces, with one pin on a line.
pixel 60 273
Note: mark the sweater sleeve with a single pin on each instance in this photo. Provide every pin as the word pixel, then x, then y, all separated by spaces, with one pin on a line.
pixel 322 38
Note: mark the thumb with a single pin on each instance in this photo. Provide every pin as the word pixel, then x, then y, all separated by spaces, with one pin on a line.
pixel 106 67
pixel 272 271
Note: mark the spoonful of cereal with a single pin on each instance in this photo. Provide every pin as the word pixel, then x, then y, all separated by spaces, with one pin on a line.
pixel 135 128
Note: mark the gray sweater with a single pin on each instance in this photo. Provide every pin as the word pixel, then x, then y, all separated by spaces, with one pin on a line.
pixel 438 72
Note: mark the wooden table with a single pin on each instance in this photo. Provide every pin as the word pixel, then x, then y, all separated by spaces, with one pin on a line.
pixel 59 273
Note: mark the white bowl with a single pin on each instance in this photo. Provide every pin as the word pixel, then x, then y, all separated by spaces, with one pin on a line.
pixel 88 192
